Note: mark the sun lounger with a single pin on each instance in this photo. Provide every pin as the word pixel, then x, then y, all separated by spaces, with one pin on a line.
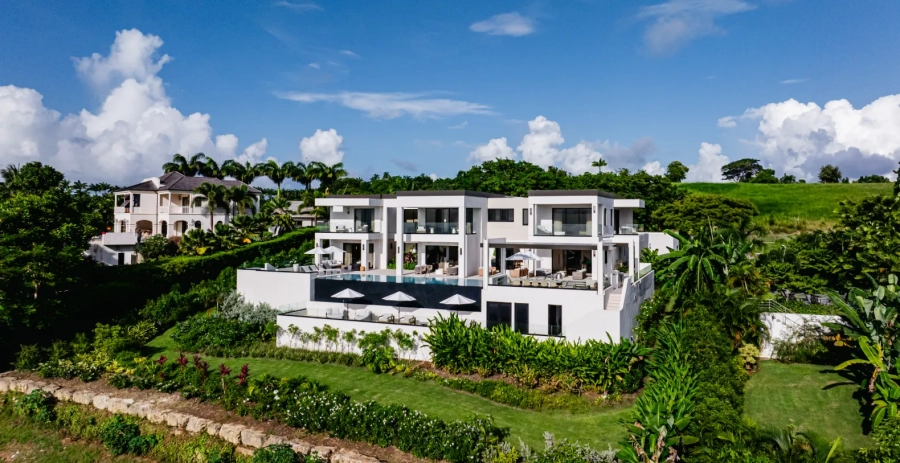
pixel 408 320
pixel 386 318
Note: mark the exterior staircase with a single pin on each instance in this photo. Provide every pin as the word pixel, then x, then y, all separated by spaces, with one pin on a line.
pixel 614 299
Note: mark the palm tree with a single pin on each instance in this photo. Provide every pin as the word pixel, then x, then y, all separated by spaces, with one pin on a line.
pixel 280 212
pixel 305 174
pixel 9 173
pixel 226 236
pixel 211 169
pixel 599 164
pixel 696 266
pixel 196 242
pixel 244 172
pixel 327 175
pixel 240 199
pixel 214 196
pixel 245 225
pixel 190 167
pixel 276 173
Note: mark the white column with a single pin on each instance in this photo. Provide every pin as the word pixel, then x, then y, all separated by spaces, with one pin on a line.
pixel 596 219
pixel 364 253
pixel 631 258
pixel 485 266
pixel 599 268
pixel 398 253
pixel 463 252
pixel 501 257
pixel 385 237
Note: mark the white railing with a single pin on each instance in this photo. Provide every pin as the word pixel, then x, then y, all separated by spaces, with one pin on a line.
pixel 131 210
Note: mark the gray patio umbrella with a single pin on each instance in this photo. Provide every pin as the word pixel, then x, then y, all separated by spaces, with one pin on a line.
pixel 347 294
pixel 457 300
pixel 524 255
pixel 399 297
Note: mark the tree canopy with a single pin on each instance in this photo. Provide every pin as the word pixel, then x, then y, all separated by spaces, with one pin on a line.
pixel 742 170
pixel 830 174
pixel 699 210
pixel 676 171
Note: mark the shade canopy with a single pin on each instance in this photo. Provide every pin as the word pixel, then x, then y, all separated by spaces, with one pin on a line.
pixel 317 251
pixel 347 294
pixel 456 299
pixel 399 296
pixel 523 255
pixel 333 250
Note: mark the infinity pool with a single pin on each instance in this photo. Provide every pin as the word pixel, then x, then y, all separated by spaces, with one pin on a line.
pixel 410 280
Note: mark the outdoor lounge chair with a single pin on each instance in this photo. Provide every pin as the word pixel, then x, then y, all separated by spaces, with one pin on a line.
pixel 408 320
pixel 552 284
pixel 334 313
pixel 386 318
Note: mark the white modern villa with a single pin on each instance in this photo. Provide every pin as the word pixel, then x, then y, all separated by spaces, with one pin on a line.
pixel 158 205
pixel 555 263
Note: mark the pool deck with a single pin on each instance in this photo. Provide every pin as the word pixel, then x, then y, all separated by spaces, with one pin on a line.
pixel 410 273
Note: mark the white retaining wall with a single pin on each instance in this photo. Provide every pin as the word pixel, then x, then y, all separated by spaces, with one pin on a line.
pixel 783 325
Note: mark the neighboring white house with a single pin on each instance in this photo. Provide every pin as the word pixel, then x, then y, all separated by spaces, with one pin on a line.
pixel 158 205
pixel 581 276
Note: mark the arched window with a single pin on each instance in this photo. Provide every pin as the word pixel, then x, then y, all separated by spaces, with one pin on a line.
pixel 164 228
pixel 197 224
pixel 123 224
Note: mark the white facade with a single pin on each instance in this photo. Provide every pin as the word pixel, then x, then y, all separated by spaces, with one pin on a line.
pixel 164 205
pixel 584 282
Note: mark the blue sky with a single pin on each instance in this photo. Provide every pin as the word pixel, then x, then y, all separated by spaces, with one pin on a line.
pixel 418 87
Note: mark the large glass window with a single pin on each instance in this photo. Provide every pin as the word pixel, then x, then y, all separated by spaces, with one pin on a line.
pixel 554 320
pixel 470 220
pixel 572 221
pixel 442 220
pixel 500 215
pixel 363 220
pixel 521 319
pixel 499 313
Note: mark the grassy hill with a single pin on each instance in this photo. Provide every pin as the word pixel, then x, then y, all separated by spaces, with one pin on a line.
pixel 810 201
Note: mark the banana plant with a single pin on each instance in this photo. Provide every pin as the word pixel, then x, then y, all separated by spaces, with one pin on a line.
pixel 881 385
pixel 872 315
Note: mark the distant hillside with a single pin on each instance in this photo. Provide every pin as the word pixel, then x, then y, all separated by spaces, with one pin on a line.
pixel 812 201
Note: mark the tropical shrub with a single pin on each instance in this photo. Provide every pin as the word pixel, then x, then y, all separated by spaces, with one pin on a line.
pixel 887 438
pixel 658 426
pixel 37 405
pixel 156 247
pixel 122 435
pixel 280 453
pixel 234 307
pixel 470 348
pixel 237 323
pixel 806 344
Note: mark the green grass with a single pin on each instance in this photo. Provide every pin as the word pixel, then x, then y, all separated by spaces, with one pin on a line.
pixel 811 201
pixel 809 396
pixel 22 440
pixel 595 428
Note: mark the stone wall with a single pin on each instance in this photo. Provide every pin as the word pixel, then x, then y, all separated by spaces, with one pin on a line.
pixel 245 438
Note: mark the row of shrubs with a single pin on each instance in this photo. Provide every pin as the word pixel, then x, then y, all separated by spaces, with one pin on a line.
pixel 303 403
pixel 471 348
pixel 125 435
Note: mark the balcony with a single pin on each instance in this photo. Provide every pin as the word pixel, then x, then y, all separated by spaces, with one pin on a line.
pixel 431 228
pixel 563 229
pixel 134 210
pixel 358 227
pixel 631 229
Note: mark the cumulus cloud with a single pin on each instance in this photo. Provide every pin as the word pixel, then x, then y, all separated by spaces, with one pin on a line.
pixel 133 133
pixel 654 168
pixel 255 152
pixel 433 176
pixel 675 23
pixel 798 138
pixel 625 157
pixel 512 24
pixel 322 146
pixel 494 149
pixel 392 105
pixel 727 122
pixel 709 164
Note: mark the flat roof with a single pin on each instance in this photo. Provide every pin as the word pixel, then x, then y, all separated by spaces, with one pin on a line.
pixel 600 193
pixel 451 193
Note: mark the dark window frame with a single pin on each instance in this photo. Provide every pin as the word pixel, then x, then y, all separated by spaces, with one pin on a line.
pixel 501 215
pixel 554 320
pixel 525 216
pixel 498 313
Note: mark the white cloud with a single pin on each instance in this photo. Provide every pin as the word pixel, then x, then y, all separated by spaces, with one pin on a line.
pixel 322 146
pixel 798 138
pixel 433 176
pixel 133 133
pixel 539 145
pixel 392 105
pixel 676 23
pixel 654 168
pixel 727 122
pixel 349 53
pixel 131 56
pixel 709 164
pixel 512 24
pixel 494 149
pixel 459 126
pixel 793 81
pixel 255 152
pixel 301 6
pixel 625 157
pixel 314 65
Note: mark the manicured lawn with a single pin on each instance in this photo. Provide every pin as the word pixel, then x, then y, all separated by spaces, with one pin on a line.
pixel 809 396
pixel 812 201
pixel 597 429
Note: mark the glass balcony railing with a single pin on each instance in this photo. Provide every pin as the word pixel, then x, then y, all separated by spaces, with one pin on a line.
pixel 563 229
pixel 631 229
pixel 433 228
